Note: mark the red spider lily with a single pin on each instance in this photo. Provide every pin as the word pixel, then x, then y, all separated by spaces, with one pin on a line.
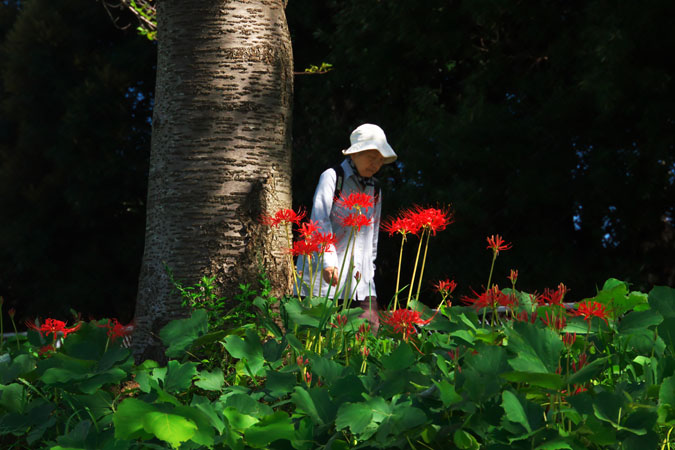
pixel 445 287
pixel 365 352
pixel 479 302
pixel 583 360
pixel 513 276
pixel 303 247
pixel 324 241
pixel 284 216
pixel 400 225
pixel 569 339
pixel 308 377
pixel 46 350
pixel 307 229
pixel 54 327
pixel 553 297
pixel 523 316
pixel 116 329
pixel 490 298
pixel 302 361
pixel 432 219
pixel 557 323
pixel 341 320
pixel 356 200
pixel 403 321
pixel 356 220
pixel 11 312
pixel 589 309
pixel 497 244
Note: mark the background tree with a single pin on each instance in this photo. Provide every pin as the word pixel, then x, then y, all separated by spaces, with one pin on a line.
pixel 220 153
pixel 74 142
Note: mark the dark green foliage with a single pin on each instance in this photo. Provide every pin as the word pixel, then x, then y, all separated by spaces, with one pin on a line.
pixel 75 101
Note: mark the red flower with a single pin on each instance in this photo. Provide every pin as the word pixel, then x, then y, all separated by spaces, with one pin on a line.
pixel 523 316
pixel 445 287
pixel 583 360
pixel 432 219
pixel 356 200
pixel 341 320
pixel 589 309
pixel 491 298
pixel 497 244
pixel 365 352
pixel 303 247
pixel 569 339
pixel 513 276
pixel 11 313
pixel 553 297
pixel 46 350
pixel 356 220
pixel 324 241
pixel 302 361
pixel 558 323
pixel 403 321
pixel 54 327
pixel 283 216
pixel 116 329
pixel 401 225
pixel 307 229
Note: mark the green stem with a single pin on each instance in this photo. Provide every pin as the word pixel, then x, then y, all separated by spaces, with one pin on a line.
pixel 16 333
pixel 412 281
pixel 424 260
pixel 398 273
pixel 494 258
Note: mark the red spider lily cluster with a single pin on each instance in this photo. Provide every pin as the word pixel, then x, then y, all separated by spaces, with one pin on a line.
pixel 356 221
pixel 403 321
pixel 491 298
pixel 497 244
pixel 356 200
pixel 445 286
pixel 590 309
pixel 400 225
pixel 54 327
pixel 552 297
pixel 416 219
pixel 116 330
pixel 283 216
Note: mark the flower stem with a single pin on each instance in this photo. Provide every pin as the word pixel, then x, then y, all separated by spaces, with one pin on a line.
pixel 398 273
pixel 412 281
pixel 424 260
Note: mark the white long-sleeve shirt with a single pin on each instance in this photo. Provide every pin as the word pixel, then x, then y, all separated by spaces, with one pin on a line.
pixel 363 248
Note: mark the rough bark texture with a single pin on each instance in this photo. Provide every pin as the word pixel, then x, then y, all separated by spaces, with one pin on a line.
pixel 220 153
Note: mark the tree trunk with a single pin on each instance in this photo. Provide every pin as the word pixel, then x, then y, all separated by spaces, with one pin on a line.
pixel 220 154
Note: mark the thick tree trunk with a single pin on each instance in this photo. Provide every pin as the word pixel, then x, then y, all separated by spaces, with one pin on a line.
pixel 220 153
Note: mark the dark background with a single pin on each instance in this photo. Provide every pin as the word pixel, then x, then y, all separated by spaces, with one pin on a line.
pixel 550 123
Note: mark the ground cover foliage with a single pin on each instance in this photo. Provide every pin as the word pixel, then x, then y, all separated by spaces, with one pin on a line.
pixel 314 376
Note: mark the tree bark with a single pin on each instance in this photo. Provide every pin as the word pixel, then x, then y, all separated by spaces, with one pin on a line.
pixel 220 154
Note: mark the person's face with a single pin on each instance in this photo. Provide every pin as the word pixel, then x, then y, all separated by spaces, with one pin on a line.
pixel 368 162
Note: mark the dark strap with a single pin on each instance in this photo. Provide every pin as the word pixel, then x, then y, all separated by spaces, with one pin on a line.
pixel 339 181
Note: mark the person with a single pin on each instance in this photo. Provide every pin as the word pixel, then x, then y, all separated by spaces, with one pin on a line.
pixel 369 150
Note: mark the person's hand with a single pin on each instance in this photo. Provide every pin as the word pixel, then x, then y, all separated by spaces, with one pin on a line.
pixel 330 275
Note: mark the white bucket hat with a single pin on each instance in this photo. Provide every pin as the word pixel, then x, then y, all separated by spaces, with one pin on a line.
pixel 370 137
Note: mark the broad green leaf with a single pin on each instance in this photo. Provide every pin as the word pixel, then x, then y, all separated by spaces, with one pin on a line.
pixel 19 366
pixel 210 381
pixel 316 403
pixel 662 299
pixel 447 392
pixel 537 349
pixel 465 440
pixel 114 355
pixel 249 349
pixel 271 428
pixel 666 332
pixel 246 404
pixel 666 404
pixel 639 320
pixel 13 398
pixel 178 335
pixel 514 410
pixel 238 421
pixel 327 368
pixel 589 371
pixel 355 416
pixel 480 372
pixel 179 376
pixel 96 381
pixel 557 444
pixel 401 358
pixel 280 383
pixel 545 380
pixel 303 316
pixel 170 428
pixel 207 408
pixel 204 434
pixel 56 375
pixel 128 419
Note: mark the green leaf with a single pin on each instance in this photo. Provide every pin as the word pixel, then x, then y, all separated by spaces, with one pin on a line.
pixel 249 349
pixel 662 299
pixel 589 371
pixel 465 440
pixel 98 380
pixel 316 403
pixel 545 380
pixel 327 369
pixel 355 416
pixel 557 444
pixel 514 410
pixel 13 398
pixel 205 433
pixel 666 331
pixel 170 428
pixel 128 419
pixel 448 394
pixel 237 420
pixel 401 358
pixel 666 405
pixel 537 349
pixel 18 367
pixel 210 381
pixel 280 383
pixel 179 376
pixel 114 355
pixel 639 320
pixel 57 375
pixel 178 335
pixel 269 429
